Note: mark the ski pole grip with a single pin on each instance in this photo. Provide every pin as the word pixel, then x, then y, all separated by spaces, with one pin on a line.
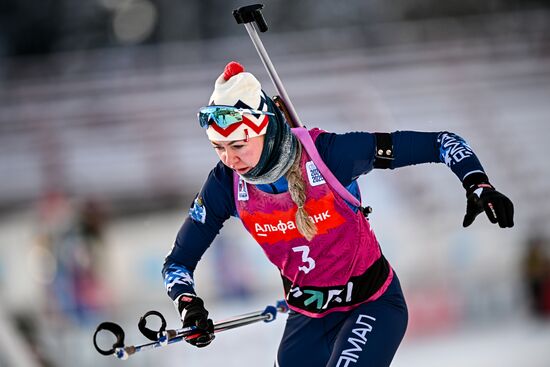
pixel 282 306
pixel 116 330
pixel 270 312
pixel 249 14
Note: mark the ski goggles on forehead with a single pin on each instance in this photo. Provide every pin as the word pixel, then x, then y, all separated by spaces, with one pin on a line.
pixel 224 116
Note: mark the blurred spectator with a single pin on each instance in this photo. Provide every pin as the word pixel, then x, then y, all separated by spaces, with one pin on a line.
pixel 90 226
pixel 536 273
pixel 73 236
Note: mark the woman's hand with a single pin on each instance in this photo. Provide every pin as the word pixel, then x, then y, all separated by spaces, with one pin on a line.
pixel 193 313
pixel 484 197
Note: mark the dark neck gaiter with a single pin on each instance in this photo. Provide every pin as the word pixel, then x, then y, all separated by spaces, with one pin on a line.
pixel 279 150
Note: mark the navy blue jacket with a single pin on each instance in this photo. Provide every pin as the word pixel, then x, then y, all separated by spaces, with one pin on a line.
pixel 348 156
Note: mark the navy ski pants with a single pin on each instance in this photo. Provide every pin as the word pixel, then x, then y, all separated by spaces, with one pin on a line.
pixel 368 335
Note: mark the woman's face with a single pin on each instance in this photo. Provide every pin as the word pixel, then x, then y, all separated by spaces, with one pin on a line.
pixel 240 155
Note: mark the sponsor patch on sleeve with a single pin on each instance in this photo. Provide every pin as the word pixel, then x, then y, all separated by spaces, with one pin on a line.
pixel 198 212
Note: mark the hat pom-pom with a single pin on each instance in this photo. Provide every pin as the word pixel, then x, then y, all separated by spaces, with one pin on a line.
pixel 231 69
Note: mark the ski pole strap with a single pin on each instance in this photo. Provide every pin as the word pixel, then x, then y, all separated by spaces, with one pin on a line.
pixel 149 333
pixel 114 329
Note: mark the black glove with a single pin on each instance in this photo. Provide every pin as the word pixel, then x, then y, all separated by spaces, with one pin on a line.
pixel 193 313
pixel 482 196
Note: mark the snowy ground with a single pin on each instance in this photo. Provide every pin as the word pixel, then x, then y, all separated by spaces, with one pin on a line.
pixel 514 343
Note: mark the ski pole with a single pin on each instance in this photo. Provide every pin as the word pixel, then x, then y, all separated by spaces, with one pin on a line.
pixel 251 16
pixel 163 337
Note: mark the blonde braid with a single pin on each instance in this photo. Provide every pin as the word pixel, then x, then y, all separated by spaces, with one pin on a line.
pixel 297 190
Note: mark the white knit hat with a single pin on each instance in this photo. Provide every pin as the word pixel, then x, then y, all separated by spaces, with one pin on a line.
pixel 235 87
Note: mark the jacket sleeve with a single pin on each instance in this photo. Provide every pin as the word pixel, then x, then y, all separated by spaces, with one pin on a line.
pixel 412 147
pixel 211 208
pixel 353 154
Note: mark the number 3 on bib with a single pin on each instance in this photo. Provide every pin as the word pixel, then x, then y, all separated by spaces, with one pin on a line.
pixel 305 258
